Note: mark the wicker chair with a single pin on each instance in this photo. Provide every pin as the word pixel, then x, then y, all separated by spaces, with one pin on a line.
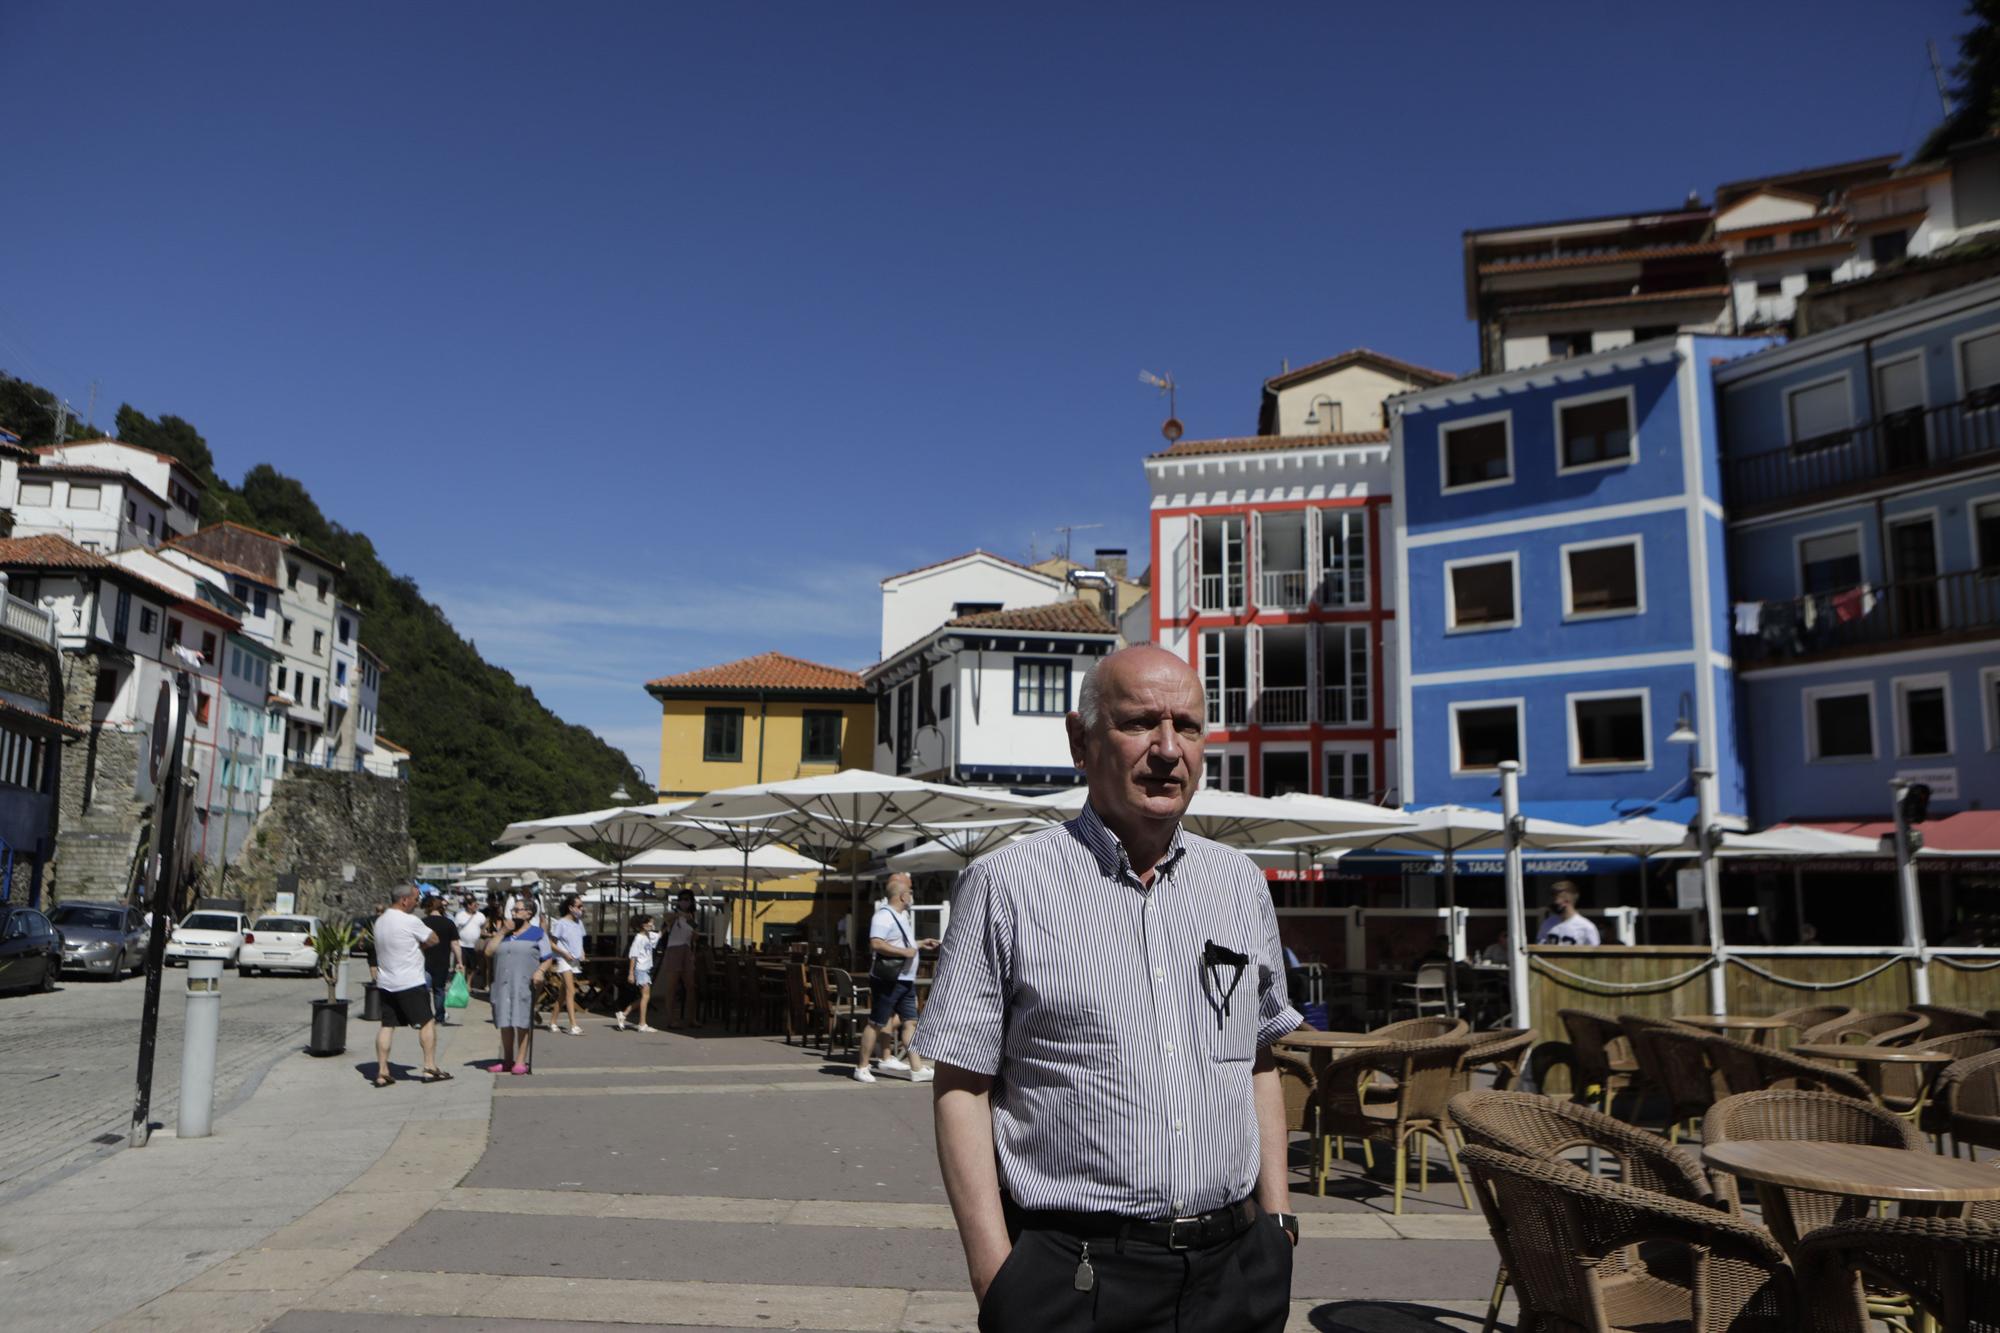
pixel 1672 1058
pixel 798 1003
pixel 1601 1057
pixel 1970 1093
pixel 1807 1017
pixel 1946 1020
pixel 1424 1072
pixel 1502 1051
pixel 1567 1238
pixel 846 1012
pixel 1545 1057
pixel 1949 1266
pixel 1747 1068
pixel 1295 1077
pixel 1890 1028
pixel 1905 1089
pixel 1422 1029
pixel 1814 1117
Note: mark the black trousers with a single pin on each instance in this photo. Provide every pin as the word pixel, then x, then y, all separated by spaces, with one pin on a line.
pixel 1243 1285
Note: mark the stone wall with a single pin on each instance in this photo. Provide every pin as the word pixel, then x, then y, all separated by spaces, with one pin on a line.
pixel 345 835
pixel 100 816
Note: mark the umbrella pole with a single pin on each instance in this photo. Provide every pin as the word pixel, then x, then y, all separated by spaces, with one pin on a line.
pixel 1517 907
pixel 744 894
pixel 1451 933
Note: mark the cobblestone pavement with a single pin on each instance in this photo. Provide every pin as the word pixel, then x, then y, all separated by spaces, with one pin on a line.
pixel 68 1061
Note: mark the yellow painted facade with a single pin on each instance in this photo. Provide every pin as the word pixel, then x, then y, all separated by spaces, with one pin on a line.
pixel 770 731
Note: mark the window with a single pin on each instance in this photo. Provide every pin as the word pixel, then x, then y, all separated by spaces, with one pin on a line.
pixel 1978 369
pixel 1819 416
pixel 1344 557
pixel 239 590
pixel 1770 287
pixel 1819 277
pixel 319 641
pixel 259 601
pixel 1986 536
pixel 346 629
pixel 1802 239
pixel 1349 774
pixel 1484 734
pixel 286 631
pixel 1989 694
pixel 1923 716
pixel 1041 686
pixel 1562 346
pixel 1477 453
pixel 721 735
pixel 340 673
pixel 36 494
pixel 201 708
pixel 944 701
pixel 1594 432
pixel 1648 332
pixel 132 511
pixel 207 646
pixel 173 630
pixel 1840 722
pixel 324 584
pixel 1480 593
pixel 1888 246
pixel 282 677
pixel 1225 770
pixel 107 687
pixel 85 497
pixel 291 575
pixel 822 737
pixel 150 529
pixel 1830 562
pixel 1609 731
pixel 926 700
pixel 1601 579
pixel 972 608
pixel 121 616
pixel 1344 675
pixel 315 691
pixel 1757 245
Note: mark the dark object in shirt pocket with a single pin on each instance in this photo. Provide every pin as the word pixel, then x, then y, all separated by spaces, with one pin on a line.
pixel 1236 1036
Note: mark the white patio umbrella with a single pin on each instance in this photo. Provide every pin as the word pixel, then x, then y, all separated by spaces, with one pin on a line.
pixel 1241 820
pixel 958 845
pixel 1448 830
pixel 761 864
pixel 551 860
pixel 848 808
pixel 616 834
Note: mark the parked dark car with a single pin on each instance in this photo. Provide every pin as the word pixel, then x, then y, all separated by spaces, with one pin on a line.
pixel 104 939
pixel 30 950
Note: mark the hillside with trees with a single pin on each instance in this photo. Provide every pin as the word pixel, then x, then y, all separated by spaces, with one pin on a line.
pixel 483 750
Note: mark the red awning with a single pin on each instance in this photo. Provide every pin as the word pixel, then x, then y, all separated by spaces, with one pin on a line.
pixel 1969 832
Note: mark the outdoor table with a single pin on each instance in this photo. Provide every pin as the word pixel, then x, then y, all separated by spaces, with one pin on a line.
pixel 1864 1054
pixel 1855 1170
pixel 1322 1048
pixel 1755 1028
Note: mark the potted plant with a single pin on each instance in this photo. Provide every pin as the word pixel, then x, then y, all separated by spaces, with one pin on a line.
pixel 331 944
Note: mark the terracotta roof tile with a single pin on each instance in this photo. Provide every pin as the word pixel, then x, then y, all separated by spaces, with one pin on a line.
pixel 15 710
pixel 1602 257
pixel 1355 356
pixel 1071 617
pixel 220 565
pixel 939 564
pixel 290 542
pixel 1250 444
pixel 49 551
pixel 385 743
pixel 199 484
pixel 766 671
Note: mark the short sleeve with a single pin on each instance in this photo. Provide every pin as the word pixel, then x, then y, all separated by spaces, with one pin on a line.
pixel 964 1022
pixel 1275 1015
pixel 883 927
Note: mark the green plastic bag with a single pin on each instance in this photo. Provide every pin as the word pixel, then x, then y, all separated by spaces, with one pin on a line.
pixel 458 994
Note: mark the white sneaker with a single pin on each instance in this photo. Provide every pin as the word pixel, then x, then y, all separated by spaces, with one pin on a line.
pixel 643 1028
pixel 891 1062
pixel 619 1019
pixel 576 1032
pixel 864 1076
pixel 924 1075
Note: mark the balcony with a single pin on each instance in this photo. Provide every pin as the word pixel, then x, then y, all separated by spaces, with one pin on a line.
pixel 1936 439
pixel 1281 590
pixel 25 618
pixel 1221 593
pixel 1228 708
pixel 1870 619
pixel 1282 706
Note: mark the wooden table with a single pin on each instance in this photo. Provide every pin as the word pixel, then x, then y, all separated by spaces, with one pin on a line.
pixel 1862 1053
pixel 1758 1026
pixel 1323 1048
pixel 1857 1170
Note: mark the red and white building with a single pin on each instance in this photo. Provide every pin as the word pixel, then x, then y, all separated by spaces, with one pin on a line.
pixel 1270 576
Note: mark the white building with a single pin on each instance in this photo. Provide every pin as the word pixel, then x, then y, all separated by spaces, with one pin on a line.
pixel 917 601
pixel 176 486
pixel 98 508
pixel 367 703
pixel 343 686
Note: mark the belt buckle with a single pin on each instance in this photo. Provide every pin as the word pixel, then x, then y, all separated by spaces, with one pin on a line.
pixel 1174 1241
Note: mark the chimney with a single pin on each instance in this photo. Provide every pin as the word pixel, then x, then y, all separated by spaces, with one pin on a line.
pixel 1111 559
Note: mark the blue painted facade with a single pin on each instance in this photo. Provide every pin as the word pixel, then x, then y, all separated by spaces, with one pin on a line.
pixel 1560 662
pixel 1860 547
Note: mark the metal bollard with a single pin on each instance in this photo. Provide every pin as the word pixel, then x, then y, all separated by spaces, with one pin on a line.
pixel 198 1034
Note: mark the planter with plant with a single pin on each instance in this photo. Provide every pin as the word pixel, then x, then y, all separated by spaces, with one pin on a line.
pixel 331 944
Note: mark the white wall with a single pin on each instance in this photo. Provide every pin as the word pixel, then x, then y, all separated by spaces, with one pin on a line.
pixel 1359 390
pixel 916 603
pixel 150 469
pixel 990 733
pixel 99 527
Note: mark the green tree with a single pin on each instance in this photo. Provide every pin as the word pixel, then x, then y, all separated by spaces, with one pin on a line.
pixel 169 435
pixel 30 411
pixel 1975 87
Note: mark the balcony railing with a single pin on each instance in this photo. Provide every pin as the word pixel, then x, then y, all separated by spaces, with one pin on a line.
pixel 1904 442
pixel 1282 589
pixel 26 618
pixel 1218 593
pixel 1873 617
pixel 1228 708
pixel 1282 706
pixel 1343 705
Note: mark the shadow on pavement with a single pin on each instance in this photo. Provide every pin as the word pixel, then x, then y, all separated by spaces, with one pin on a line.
pixel 1391 1317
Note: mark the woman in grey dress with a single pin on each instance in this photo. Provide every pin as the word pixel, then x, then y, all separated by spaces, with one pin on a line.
pixel 520 954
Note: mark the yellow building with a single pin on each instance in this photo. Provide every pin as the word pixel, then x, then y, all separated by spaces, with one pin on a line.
pixel 764 719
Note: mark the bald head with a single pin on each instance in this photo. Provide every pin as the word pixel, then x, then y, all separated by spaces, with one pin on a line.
pixel 1127 664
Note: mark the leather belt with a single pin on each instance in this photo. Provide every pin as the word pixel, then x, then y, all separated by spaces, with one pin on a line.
pixel 1174 1233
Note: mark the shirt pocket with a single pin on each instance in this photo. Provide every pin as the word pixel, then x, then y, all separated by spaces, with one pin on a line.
pixel 1232 1032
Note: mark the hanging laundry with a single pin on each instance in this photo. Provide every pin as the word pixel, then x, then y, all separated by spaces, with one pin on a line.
pixel 1749 617
pixel 1868 599
pixel 1847 605
pixel 1809 611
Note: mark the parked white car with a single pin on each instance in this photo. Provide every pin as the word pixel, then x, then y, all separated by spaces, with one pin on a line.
pixel 279 944
pixel 207 935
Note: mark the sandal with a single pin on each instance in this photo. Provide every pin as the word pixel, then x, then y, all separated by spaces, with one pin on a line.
pixel 384 1080
pixel 434 1076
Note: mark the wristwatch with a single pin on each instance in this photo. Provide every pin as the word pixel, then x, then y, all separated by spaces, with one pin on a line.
pixel 1290 1223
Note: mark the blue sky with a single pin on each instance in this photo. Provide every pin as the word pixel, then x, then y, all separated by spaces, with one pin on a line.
pixel 651 336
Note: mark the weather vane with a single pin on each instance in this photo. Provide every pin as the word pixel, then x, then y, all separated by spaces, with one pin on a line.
pixel 1171 427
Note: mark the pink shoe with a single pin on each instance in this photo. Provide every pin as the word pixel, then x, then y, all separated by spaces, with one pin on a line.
pixel 518 1069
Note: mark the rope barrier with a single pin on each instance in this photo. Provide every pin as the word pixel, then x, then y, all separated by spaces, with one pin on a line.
pixel 1598 986
pixel 1965 967
pixel 1796 984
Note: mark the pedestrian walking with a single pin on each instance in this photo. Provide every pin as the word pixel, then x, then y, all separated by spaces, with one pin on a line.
pixel 1109 1121
pixel 402 986
pixel 520 955
pixel 442 958
pixel 566 937
pixel 1564 924
pixel 674 967
pixel 639 969
pixel 471 924
pixel 892 986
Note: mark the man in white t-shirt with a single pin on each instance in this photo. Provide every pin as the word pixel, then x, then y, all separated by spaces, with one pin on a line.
pixel 1564 924
pixel 471 923
pixel 892 936
pixel 403 985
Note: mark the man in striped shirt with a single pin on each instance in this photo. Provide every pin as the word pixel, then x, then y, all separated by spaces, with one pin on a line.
pixel 1110 1126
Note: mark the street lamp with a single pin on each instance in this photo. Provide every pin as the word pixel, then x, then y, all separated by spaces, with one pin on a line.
pixel 1332 419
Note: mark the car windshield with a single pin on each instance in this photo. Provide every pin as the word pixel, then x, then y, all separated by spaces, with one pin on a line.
pixel 90 918
pixel 279 925
pixel 209 921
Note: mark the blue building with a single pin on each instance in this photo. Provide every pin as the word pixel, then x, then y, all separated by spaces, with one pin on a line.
pixel 1862 478
pixel 1563 567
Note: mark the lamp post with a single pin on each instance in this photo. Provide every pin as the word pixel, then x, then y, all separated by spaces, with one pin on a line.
pixel 1912 801
pixel 1707 838
pixel 1682 734
pixel 1517 912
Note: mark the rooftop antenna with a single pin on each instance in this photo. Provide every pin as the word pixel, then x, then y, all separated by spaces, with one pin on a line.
pixel 1067 528
pixel 1171 428
pixel 1937 73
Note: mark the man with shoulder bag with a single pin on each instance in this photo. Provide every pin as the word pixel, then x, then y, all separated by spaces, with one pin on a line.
pixel 892 982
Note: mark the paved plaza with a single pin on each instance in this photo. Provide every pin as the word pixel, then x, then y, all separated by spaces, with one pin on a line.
pixel 667 1181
